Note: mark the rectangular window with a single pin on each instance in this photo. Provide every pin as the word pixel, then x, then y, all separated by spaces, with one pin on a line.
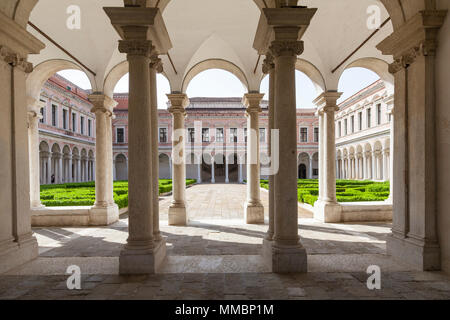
pixel 233 135
pixel 369 118
pixel 345 126
pixel 74 122
pixel 316 134
pixel 245 134
pixel 262 134
pixel 339 128
pixel 360 121
pixel 219 134
pixel 315 172
pixel 65 119
pixel 303 134
pixel 163 135
pixel 390 117
pixel 205 134
pixel 89 127
pixel 191 135
pixel 42 111
pixel 378 114
pixel 352 123
pixel 82 125
pixel 120 135
pixel 54 115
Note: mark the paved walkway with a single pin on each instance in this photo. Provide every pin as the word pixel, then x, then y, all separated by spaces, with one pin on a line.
pixel 218 257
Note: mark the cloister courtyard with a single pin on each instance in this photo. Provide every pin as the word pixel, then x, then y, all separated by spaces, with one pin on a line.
pixel 218 256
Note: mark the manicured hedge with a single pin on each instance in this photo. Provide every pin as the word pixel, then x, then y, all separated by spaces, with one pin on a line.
pixel 83 194
pixel 346 190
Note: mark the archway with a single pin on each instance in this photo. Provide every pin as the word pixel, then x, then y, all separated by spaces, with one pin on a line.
pixel 164 167
pixel 206 169
pixel 233 168
pixel 121 167
pixel 219 168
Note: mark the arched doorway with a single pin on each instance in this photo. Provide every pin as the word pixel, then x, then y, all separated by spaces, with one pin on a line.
pixel 206 172
pixel 164 166
pixel 219 168
pixel 121 167
pixel 233 168
pixel 301 171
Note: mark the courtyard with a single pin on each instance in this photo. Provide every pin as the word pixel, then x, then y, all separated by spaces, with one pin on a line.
pixel 217 256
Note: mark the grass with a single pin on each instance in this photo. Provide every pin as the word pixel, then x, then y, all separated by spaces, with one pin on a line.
pixel 83 194
pixel 346 190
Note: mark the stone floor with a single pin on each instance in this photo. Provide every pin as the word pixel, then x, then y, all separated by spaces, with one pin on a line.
pixel 217 257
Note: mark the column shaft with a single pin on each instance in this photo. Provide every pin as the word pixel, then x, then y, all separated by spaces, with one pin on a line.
pixel 33 140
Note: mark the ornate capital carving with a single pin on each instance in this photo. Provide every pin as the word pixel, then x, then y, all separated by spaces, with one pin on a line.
pixel 286 48
pixel 136 47
pixel 15 60
pixel 156 63
pixel 268 64
pixel 424 49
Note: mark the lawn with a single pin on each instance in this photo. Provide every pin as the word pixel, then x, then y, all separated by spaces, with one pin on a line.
pixel 83 194
pixel 346 190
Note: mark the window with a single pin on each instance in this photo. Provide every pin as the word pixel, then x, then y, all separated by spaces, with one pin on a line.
pixel 74 122
pixel 390 117
pixel 54 115
pixel 352 123
pixel 191 134
pixel 219 134
pixel 262 134
pixel 339 128
pixel 89 127
pixel 233 135
pixel 82 125
pixel 315 172
pixel 120 135
pixel 245 134
pixel 205 134
pixel 303 134
pixel 65 119
pixel 316 134
pixel 378 114
pixel 359 121
pixel 163 135
pixel 345 126
pixel 42 120
pixel 369 117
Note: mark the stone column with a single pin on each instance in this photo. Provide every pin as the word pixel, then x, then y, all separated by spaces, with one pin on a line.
pixel 327 209
pixel 254 210
pixel 49 168
pixel 33 141
pixel 104 211
pixel 269 68
pixel 177 209
pixel 199 172
pixel 391 157
pixel 213 178
pixel 310 167
pixel 357 168
pixel 286 254
pixel 79 176
pixel 17 243
pixel 321 141
pixel 156 66
pixel 226 170
pixel 59 175
pixel 373 163
pixel 240 173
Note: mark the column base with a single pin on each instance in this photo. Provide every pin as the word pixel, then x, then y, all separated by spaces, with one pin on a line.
pixel 144 261
pixel 327 212
pixel 253 213
pixel 418 254
pixel 284 259
pixel 103 216
pixel 14 254
pixel 177 215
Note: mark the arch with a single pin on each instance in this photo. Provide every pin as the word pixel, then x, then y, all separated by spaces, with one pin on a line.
pixel 219 167
pixel 43 146
pixel 18 10
pixel 313 74
pixel 56 148
pixel 164 166
pixel 43 71
pixel 121 167
pixel 75 151
pixel 214 64
pixel 162 4
pixel 233 167
pixel 380 67
pixel 66 149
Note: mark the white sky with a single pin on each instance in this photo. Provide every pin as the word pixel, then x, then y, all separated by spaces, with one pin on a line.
pixel 220 83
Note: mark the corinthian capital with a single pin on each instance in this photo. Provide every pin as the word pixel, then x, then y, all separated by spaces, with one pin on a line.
pixel 15 60
pixel 136 47
pixel 268 63
pixel 286 48
pixel 156 63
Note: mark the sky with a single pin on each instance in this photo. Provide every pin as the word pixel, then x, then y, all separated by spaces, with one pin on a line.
pixel 220 83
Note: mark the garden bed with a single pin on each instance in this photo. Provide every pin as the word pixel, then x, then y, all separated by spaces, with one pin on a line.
pixel 83 194
pixel 346 190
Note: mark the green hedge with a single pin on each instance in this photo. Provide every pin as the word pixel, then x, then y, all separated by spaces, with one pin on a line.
pixel 346 190
pixel 83 194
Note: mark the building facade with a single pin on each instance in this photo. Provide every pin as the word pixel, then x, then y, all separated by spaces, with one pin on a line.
pixel 363 134
pixel 216 136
